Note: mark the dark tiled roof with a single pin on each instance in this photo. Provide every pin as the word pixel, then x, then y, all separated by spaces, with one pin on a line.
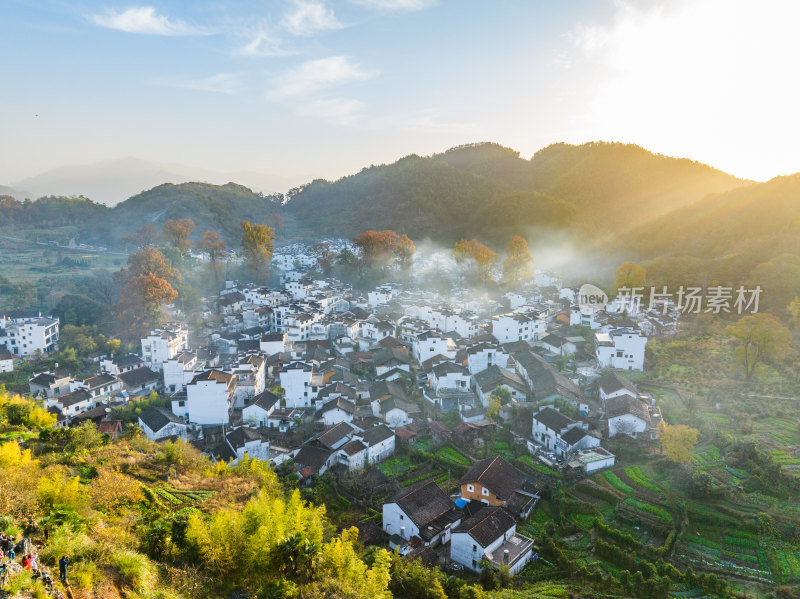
pixel 265 400
pixel 334 434
pixel 625 404
pixel 139 377
pixel 353 447
pixel 311 456
pixel 495 375
pixel 243 435
pixel 158 418
pixel 488 525
pixel 423 502
pixel 612 382
pixel 553 419
pixel 386 388
pixel 497 475
pixel 376 434
pixel 574 435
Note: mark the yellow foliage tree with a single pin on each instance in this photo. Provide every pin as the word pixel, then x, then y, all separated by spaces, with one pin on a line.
pixel 678 441
pixel 12 455
pixel 338 561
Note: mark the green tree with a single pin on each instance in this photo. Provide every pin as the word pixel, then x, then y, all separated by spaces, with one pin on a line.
pixel 759 338
pixel 257 246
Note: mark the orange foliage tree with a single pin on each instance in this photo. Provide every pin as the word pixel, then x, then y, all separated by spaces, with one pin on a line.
pixel 177 232
pixel 476 255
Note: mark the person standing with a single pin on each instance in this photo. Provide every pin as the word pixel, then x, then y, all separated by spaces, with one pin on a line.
pixel 62 568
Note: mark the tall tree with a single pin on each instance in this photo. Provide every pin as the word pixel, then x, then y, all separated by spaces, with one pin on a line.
pixel 177 232
pixel 404 251
pixel 474 254
pixel 143 236
pixel 257 249
pixel 760 338
pixel 678 441
pixel 518 263
pixel 148 284
pixel 629 275
pixel 211 243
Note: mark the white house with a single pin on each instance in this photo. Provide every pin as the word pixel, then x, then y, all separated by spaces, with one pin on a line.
pixel 632 416
pixel 159 423
pixel 119 364
pixel 49 384
pixel 549 426
pixel 621 348
pixel 516 326
pixel 73 403
pixel 251 374
pixel 245 441
pixel 295 381
pixel 99 387
pixel 272 343
pixel 490 534
pixel 430 343
pixel 592 460
pixel 414 509
pixel 613 385
pixel 448 375
pixel 25 335
pixel 179 371
pixel 380 441
pixel 495 376
pixel 6 361
pixel 164 343
pixel 483 355
pixel 258 411
pixel 209 398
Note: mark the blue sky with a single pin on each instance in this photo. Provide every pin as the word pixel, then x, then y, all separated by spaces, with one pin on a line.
pixel 298 89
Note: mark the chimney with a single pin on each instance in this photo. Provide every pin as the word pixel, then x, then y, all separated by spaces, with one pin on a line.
pixel 505 556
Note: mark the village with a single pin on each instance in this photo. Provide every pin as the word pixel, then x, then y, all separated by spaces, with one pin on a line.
pixel 319 380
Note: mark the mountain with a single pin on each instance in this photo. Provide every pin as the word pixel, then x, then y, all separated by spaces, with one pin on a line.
pixel 486 189
pixel 107 182
pixel 212 207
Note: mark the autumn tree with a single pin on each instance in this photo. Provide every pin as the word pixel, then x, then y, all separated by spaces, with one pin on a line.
pixel 211 243
pixel 404 251
pixel 476 256
pixel 257 246
pixel 759 338
pixel 518 263
pixel 629 275
pixel 177 232
pixel 678 441
pixel 143 236
pixel 148 284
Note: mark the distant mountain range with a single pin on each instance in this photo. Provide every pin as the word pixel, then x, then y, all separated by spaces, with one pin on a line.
pixel 112 181
pixel 602 201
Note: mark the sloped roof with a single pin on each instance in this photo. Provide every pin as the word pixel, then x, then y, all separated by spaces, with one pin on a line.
pixel 625 404
pixel 138 377
pixel 495 375
pixel 334 434
pixel 157 418
pixel 553 419
pixel 497 475
pixel 376 434
pixel 612 382
pixel 423 502
pixel 312 456
pixel 488 525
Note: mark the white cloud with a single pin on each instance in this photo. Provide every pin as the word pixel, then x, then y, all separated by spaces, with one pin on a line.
pixel 708 79
pixel 316 75
pixel 308 17
pixel 261 40
pixel 408 5
pixel 145 20
pixel 342 111
pixel 223 83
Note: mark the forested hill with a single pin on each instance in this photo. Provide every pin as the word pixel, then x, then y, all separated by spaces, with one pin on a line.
pixel 588 192
pixel 482 189
pixel 218 208
pixel 748 235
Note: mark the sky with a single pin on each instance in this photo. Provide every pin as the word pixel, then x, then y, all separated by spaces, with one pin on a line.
pixel 304 89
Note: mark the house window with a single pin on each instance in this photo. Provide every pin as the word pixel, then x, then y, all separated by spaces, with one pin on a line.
pixel 474 548
pixel 485 491
pixel 402 517
pixel 474 564
pixel 470 488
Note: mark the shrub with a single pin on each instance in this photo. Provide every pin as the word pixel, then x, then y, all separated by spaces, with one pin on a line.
pixel 136 568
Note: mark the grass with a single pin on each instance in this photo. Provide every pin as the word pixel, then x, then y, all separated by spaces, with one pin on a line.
pixel 394 466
